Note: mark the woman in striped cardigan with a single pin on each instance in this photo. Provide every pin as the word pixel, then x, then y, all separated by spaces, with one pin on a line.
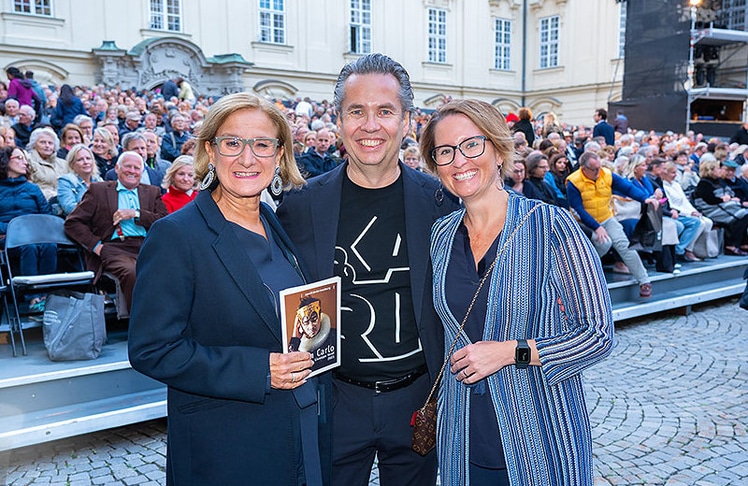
pixel 511 403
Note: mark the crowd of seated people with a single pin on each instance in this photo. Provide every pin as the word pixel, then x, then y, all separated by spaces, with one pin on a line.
pixel 81 132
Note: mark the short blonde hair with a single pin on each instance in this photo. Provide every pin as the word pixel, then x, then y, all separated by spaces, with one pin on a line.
pixel 229 105
pixel 489 121
pixel 178 163
pixel 77 148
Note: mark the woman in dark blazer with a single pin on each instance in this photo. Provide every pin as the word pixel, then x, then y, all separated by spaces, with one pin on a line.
pixel 205 316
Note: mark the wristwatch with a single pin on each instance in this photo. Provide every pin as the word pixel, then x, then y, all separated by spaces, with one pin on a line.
pixel 522 354
pixel 137 214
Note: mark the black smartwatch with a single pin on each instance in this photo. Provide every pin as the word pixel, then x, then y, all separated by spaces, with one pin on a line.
pixel 522 354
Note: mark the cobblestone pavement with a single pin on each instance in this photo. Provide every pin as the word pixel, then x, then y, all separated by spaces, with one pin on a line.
pixel 669 407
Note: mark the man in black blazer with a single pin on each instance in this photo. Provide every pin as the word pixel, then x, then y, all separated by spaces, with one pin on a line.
pixel 602 127
pixel 112 219
pixel 368 221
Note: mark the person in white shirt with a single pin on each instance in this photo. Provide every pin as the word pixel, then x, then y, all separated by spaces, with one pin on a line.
pixel 678 201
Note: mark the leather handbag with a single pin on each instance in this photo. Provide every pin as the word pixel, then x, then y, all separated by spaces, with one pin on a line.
pixel 424 419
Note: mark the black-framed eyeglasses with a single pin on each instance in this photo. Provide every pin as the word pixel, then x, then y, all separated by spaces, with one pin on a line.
pixel 234 146
pixel 470 148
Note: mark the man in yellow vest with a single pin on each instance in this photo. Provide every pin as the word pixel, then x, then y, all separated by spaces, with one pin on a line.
pixel 589 190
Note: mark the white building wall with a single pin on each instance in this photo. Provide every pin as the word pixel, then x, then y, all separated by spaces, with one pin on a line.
pixel 59 49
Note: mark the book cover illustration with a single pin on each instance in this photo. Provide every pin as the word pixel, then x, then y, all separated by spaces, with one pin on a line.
pixel 310 316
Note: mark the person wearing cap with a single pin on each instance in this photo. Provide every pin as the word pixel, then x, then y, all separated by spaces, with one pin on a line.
pixel 738 185
pixel 511 119
pixel 132 123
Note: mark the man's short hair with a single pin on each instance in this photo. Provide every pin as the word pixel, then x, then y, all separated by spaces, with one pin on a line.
pixel 585 158
pixel 82 118
pixel 130 137
pixel 375 63
pixel 602 113
pixel 27 110
pixel 592 147
pixel 126 154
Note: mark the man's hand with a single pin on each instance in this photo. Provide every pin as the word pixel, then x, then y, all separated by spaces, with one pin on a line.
pixel 123 214
pixel 601 236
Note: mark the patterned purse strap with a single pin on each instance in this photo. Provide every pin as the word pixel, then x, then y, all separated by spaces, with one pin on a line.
pixel 475 297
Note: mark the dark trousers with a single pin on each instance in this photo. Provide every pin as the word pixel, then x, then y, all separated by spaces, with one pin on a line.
pixel 366 423
pixel 37 260
pixel 119 259
pixel 735 232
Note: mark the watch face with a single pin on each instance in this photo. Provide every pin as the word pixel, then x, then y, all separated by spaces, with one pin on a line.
pixel 523 355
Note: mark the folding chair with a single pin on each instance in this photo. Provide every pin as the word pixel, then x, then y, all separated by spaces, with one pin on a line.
pixel 34 229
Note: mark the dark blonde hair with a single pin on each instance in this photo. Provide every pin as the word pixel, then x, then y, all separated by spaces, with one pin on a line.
pixel 74 151
pixel 489 121
pixel 227 106
pixel 178 163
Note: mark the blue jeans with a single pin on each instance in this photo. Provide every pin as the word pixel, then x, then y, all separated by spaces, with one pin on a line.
pixel 692 228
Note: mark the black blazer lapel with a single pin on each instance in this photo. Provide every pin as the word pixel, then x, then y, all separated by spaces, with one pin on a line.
pixel 325 211
pixel 233 256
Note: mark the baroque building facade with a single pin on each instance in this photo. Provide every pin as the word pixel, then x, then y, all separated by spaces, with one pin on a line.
pixel 564 56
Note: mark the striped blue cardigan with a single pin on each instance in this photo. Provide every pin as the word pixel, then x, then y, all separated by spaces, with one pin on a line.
pixel 549 286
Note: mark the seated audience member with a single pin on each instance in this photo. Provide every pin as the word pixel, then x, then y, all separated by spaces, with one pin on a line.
pixel 153 159
pixel 18 196
pixel 518 183
pixel 136 142
pixel 86 124
pixel 70 136
pixel 8 135
pixel 24 126
pixel 738 185
pixel 112 219
pixel 45 166
pixel 104 149
pixel 558 166
pixel 173 141
pixel 679 202
pixel 180 183
pixel 132 124
pixel 83 172
pixel 10 117
pixel 537 168
pixel 687 175
pixel 317 161
pixel 719 203
pixel 589 191
pixel 412 158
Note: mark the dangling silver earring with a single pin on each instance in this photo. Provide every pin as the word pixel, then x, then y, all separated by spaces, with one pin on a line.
pixel 439 195
pixel 501 179
pixel 276 185
pixel 209 178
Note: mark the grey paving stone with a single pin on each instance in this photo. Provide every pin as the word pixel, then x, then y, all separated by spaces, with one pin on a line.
pixel 667 408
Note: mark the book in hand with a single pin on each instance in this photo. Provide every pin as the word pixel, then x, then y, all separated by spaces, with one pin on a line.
pixel 310 319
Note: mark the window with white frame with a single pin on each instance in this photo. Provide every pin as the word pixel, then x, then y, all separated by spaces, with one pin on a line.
pixel 361 26
pixel 437 35
pixel 502 49
pixel 549 41
pixel 166 15
pixel 272 21
pixel 733 14
pixel 33 7
pixel 622 29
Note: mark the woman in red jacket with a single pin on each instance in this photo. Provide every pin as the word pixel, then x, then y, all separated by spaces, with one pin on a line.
pixel 180 182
